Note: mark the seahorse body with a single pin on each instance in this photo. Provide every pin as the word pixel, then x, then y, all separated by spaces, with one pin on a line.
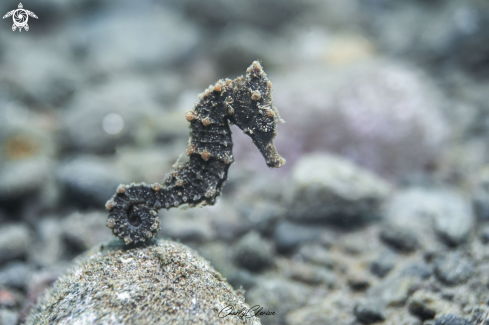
pixel 244 101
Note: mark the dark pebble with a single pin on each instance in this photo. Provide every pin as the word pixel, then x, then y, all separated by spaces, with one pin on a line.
pixel 288 236
pixel 399 238
pixel 368 313
pixel 453 269
pixel 383 264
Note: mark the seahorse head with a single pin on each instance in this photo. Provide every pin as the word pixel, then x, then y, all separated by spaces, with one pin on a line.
pixel 256 115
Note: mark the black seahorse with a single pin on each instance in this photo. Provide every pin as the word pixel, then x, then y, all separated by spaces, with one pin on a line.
pixel 244 101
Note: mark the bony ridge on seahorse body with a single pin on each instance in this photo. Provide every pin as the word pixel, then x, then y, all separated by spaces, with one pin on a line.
pixel 244 101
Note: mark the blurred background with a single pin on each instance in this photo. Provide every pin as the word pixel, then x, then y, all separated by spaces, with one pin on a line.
pixel 386 105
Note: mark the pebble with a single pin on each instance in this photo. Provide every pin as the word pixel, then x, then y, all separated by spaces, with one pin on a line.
pixel 447 211
pixel 19 179
pixel 426 304
pixel 288 235
pixel 383 264
pixel 81 231
pixel 399 238
pixel 102 119
pixel 335 309
pixel 397 286
pixel 163 282
pixel 279 295
pixel 15 275
pixel 310 274
pixel 358 281
pixel 192 225
pixel 15 242
pixel 331 189
pixel 51 245
pixel 176 38
pixel 9 317
pixel 453 268
pixel 244 13
pixel 386 116
pixel 484 235
pixel 262 215
pixel 89 180
pixel 253 252
pixel 367 313
pixel 316 254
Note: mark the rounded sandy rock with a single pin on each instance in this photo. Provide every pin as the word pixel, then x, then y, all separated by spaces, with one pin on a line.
pixel 161 283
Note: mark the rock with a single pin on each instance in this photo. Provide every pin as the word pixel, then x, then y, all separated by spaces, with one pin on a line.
pixel 242 279
pixel 8 298
pixel 221 258
pixel 51 247
pixel 194 225
pixel 336 309
pixel 330 189
pixel 89 180
pixel 27 151
pixel 402 316
pixel 367 313
pixel 151 279
pixel 358 281
pixel 288 236
pixel 81 231
pixel 480 195
pixel 206 14
pixel 226 220
pixel 279 295
pixel 309 274
pixel 470 46
pixel 103 118
pixel 15 242
pixel 484 235
pixel 151 163
pixel 21 178
pixel 9 317
pixel 253 253
pixel 453 268
pixel 15 275
pixel 316 254
pixel 47 77
pixel 448 211
pixel 426 304
pixel 383 264
pixel 396 287
pixel 386 116
pixel 399 238
pixel 262 215
pixel 451 319
pixel 313 275
pixel 176 38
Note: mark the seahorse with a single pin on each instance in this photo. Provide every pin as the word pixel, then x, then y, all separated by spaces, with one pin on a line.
pixel 245 102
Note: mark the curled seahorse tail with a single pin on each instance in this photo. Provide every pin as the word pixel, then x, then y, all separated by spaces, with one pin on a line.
pixel 244 101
